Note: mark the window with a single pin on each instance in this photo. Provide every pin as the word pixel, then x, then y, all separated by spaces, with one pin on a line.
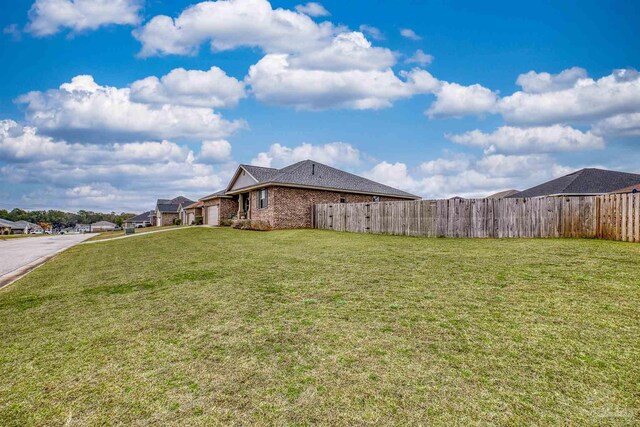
pixel 343 199
pixel 376 198
pixel 261 200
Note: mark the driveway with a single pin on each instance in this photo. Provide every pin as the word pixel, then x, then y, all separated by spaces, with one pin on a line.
pixel 18 256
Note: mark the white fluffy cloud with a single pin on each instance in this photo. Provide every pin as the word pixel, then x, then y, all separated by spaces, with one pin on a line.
pixel 274 81
pixel 508 139
pixel 348 73
pixel 47 17
pixel 194 88
pixel 373 32
pixel 408 33
pixel 625 125
pixel 584 101
pixel 218 150
pixel 454 100
pixel 348 51
pixel 312 9
pixel 82 109
pixel 229 24
pixel 533 82
pixel 467 176
pixel 334 154
pixel 419 58
pixel 121 176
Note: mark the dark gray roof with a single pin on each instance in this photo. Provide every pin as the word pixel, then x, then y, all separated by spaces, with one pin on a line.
pixel 7 223
pixel 260 173
pixel 220 193
pixel 172 205
pixel 584 181
pixel 309 173
pixel 140 218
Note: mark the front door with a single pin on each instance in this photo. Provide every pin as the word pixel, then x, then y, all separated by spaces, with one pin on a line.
pixel 245 204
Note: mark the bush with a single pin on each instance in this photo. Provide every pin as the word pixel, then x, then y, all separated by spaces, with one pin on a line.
pixel 248 224
pixel 226 222
pixel 198 221
pixel 177 221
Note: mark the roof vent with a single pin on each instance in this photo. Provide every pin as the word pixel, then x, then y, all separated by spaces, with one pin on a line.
pixel 313 169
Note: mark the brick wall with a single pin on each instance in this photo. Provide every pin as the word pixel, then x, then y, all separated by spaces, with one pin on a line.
pixel 166 218
pixel 227 208
pixel 291 207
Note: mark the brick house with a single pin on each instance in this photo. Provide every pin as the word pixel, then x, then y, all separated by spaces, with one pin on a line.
pixel 189 213
pixel 285 197
pixel 167 210
pixel 218 206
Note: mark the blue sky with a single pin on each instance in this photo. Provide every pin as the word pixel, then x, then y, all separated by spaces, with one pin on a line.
pixel 475 98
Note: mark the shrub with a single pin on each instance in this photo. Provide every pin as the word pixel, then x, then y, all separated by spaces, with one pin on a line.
pixel 177 221
pixel 198 221
pixel 226 222
pixel 248 224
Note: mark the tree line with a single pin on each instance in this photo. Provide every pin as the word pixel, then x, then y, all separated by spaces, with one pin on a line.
pixel 61 219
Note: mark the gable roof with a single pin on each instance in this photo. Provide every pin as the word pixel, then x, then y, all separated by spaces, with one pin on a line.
pixel 172 205
pixel 7 223
pixel 143 217
pixel 585 181
pixel 503 194
pixel 311 174
pixel 104 223
pixel 217 194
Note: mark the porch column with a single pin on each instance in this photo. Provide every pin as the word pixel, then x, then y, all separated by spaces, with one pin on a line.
pixel 240 203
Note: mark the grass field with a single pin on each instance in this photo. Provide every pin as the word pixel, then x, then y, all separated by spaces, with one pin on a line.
pixel 118 233
pixel 228 327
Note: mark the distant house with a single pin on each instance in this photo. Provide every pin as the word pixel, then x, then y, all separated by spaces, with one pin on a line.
pixel 138 221
pixel 218 206
pixel 503 194
pixel 26 227
pixel 101 226
pixel 630 189
pixel 82 228
pixel 9 227
pixel 284 198
pixel 585 182
pixel 167 210
pixel 189 212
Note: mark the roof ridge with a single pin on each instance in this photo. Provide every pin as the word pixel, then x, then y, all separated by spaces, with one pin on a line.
pixel 577 175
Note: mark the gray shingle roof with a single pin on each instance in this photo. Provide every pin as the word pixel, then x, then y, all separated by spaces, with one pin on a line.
pixel 140 218
pixel 220 193
pixel 7 223
pixel 309 173
pixel 584 181
pixel 171 206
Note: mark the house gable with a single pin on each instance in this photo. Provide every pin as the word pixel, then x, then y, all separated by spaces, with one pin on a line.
pixel 242 179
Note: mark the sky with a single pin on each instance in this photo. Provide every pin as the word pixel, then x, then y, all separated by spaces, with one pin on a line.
pixel 108 105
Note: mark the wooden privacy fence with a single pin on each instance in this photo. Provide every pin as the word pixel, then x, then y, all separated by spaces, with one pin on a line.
pixel 611 216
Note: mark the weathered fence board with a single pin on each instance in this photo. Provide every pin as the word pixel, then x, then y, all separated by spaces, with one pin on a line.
pixel 610 216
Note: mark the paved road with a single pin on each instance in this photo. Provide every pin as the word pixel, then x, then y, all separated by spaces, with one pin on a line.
pixel 18 254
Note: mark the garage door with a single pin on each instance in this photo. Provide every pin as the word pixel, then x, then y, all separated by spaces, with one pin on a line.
pixel 212 215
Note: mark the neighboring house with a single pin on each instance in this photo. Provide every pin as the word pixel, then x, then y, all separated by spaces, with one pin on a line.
pixel 167 210
pixel 630 189
pixel 82 228
pixel 585 182
pixel 138 221
pixel 9 227
pixel 503 194
pixel 218 206
pixel 189 212
pixel 100 226
pixel 27 227
pixel 285 197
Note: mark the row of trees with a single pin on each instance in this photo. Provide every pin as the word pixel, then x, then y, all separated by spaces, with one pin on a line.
pixel 60 219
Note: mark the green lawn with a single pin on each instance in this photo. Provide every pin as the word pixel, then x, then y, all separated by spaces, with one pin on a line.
pixel 228 327
pixel 111 234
